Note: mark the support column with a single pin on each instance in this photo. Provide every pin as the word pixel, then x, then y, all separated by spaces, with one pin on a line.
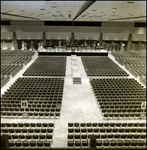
pixel 129 42
pixel 72 37
pixel 15 41
pixel 139 46
pixel 32 45
pixel 101 37
pixel 44 39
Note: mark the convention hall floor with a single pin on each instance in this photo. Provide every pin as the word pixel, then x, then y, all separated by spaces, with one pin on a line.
pixel 78 104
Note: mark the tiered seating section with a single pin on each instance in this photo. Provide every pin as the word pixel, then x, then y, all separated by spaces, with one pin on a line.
pixel 47 66
pixel 120 98
pixel 101 66
pixel 108 135
pixel 28 135
pixel 134 62
pixel 44 97
pixel 12 62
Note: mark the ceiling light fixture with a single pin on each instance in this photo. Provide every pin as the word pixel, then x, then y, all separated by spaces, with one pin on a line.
pixel 113 8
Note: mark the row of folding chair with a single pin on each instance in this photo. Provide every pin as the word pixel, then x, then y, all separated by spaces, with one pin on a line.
pixel 107 124
pixel 47 66
pixel 16 125
pixel 31 115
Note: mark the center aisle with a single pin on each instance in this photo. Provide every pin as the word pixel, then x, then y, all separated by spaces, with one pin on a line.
pixel 78 105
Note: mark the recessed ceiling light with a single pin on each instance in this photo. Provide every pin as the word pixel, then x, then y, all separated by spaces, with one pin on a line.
pixel 113 8
pixel 93 10
pixel 42 9
pixel 22 10
pixel 113 12
pixel 53 6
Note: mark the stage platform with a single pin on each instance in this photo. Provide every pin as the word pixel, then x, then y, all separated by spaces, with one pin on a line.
pixel 92 53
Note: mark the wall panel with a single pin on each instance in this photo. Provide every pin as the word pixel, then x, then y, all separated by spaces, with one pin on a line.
pixel 138 37
pixel 118 24
pixel 32 23
pixel 104 29
pixel 58 35
pixel 115 36
pixel 86 29
pixel 117 29
pixel 29 35
pixel 6 35
pixel 86 36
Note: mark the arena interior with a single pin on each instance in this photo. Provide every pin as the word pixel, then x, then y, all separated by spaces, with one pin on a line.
pixel 73 74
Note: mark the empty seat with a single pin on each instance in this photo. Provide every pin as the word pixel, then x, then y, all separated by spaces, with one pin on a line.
pixel 113 142
pixel 120 142
pixel 134 142
pixel 70 143
pixel 18 144
pixel 78 144
pixel 141 143
pixel 70 124
pixel 11 144
pixel 127 142
pixel 98 143
pixel 33 143
pixel 39 143
pixel 84 143
pixel 76 124
pixel 25 143
pixel 47 143
pixel 35 136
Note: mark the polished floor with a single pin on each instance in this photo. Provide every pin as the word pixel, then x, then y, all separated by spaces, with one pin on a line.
pixel 78 104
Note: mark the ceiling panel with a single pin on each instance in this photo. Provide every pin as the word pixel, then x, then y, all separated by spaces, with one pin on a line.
pixel 67 10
